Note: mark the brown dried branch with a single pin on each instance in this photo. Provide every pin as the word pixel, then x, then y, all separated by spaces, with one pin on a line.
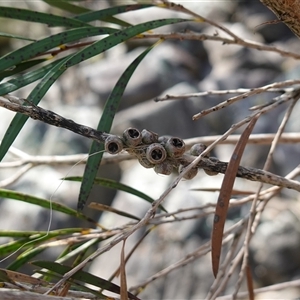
pixel 225 41
pixel 285 97
pixel 59 160
pixel 49 117
pixel 211 166
pixel 216 92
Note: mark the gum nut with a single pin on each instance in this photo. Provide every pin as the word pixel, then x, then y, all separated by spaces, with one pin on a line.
pixel 165 168
pixel 113 144
pixel 132 137
pixel 156 153
pixel 149 137
pixel 175 147
pixel 197 149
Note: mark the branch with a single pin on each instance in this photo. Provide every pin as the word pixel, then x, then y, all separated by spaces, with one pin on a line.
pixel 47 116
pixel 216 92
pixel 225 41
pixel 250 174
pixel 284 97
pixel 211 166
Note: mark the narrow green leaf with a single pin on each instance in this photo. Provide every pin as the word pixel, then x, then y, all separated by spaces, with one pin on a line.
pixel 15 36
pixel 117 186
pixel 66 6
pixel 18 69
pixel 34 239
pixel 39 17
pixel 35 249
pixel 39 47
pixel 27 78
pixel 116 38
pixel 78 286
pixel 105 124
pixel 42 203
pixel 107 208
pixel 87 15
pixel 25 257
pixel 82 276
pixel 78 249
pixel 35 234
pixel 10 247
pixel 105 14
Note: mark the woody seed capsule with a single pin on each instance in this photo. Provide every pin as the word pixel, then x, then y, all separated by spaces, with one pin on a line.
pixel 113 144
pixel 156 153
pixel 149 137
pixel 132 137
pixel 175 147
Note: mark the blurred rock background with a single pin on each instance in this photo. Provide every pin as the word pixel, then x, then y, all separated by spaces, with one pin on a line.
pixel 174 67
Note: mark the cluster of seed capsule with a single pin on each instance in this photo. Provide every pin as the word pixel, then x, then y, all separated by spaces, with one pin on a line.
pixel 164 154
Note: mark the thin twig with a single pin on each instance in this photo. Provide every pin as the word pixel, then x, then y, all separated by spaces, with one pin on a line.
pixel 255 91
pixel 49 117
pixel 180 8
pixel 216 93
pixel 16 175
pixel 225 41
pixel 261 139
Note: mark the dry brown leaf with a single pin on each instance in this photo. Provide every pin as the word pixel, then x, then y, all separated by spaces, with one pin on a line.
pixel 287 11
pixel 225 195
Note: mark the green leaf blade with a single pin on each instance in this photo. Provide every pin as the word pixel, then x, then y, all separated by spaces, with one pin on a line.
pixel 66 6
pixel 104 125
pixel 82 276
pixel 106 14
pixel 24 79
pixel 41 46
pixel 39 17
pixel 117 186
pixel 42 203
